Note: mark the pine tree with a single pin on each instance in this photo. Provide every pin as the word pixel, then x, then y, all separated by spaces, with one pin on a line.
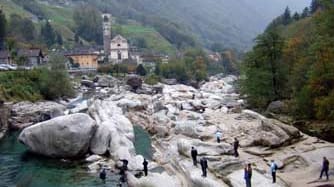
pixel 76 38
pixel 3 24
pixel 48 34
pixel 314 6
pixel 306 12
pixel 296 16
pixel 59 39
pixel 286 16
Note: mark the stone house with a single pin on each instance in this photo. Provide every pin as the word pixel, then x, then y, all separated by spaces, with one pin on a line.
pixel 32 57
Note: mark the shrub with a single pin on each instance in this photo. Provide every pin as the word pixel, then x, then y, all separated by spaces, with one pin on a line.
pixel 152 79
pixel 35 85
pixel 105 68
pixel 140 70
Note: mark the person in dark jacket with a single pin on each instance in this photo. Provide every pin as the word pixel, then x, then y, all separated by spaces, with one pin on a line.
pixel 248 175
pixel 103 175
pixel 204 166
pixel 235 147
pixel 145 163
pixel 194 155
pixel 123 170
pixel 325 167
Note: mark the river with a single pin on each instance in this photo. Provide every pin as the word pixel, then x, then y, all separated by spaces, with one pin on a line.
pixel 19 168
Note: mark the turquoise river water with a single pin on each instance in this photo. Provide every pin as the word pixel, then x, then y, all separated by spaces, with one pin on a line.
pixel 19 168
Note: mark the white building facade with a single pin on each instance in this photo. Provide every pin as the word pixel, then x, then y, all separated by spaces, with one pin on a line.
pixel 119 49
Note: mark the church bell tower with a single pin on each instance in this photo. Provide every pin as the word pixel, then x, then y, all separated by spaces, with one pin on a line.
pixel 107 22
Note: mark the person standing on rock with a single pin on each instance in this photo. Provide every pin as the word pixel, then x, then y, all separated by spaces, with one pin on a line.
pixel 103 175
pixel 145 164
pixel 123 170
pixel 248 175
pixel 194 154
pixel 273 168
pixel 235 147
pixel 325 167
pixel 219 136
pixel 204 166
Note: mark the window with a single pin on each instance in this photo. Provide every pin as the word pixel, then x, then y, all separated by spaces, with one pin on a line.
pixel 118 45
pixel 119 55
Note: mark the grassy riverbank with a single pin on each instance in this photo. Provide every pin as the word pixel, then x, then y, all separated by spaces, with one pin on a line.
pixel 34 85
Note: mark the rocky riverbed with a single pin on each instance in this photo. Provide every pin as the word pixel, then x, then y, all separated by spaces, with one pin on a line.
pixel 179 117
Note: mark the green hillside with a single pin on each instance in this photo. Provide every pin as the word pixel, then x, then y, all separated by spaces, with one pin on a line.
pixel 61 18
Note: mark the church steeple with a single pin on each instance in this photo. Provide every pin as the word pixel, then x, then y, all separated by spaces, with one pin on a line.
pixel 107 24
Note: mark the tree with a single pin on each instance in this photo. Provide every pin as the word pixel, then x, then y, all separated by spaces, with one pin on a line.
pixel 57 61
pixel 88 23
pixel 200 69
pixel 28 29
pixel 306 12
pixel 217 47
pixel 59 39
pixel 296 16
pixel 76 38
pixel 21 28
pixel 315 4
pixel 3 25
pixel 263 71
pixel 286 16
pixel 140 70
pixel 157 69
pixel 48 34
pixel 55 83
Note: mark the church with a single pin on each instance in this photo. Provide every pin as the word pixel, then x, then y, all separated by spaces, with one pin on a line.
pixel 117 49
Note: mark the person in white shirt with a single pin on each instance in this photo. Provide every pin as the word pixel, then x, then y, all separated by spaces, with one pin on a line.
pixel 219 136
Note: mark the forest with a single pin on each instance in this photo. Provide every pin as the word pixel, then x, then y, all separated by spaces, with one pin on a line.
pixel 293 61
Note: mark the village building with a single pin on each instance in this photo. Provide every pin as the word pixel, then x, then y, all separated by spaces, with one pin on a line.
pixel 119 49
pixel 5 57
pixel 30 57
pixel 33 57
pixel 152 59
pixel 83 59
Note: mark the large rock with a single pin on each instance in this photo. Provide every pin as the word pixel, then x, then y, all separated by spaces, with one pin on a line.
pixel 203 148
pixel 4 116
pixel 25 114
pixel 135 82
pixel 187 128
pixel 169 81
pixel 278 107
pixel 153 180
pixel 268 132
pixel 61 137
pixel 107 81
pixel 87 83
pixel 115 133
pixel 258 179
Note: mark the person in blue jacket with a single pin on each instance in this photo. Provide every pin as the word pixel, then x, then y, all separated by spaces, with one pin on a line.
pixel 273 168
pixel 248 175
